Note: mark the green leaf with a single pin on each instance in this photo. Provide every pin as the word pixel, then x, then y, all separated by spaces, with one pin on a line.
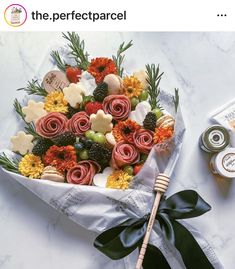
pixel 77 47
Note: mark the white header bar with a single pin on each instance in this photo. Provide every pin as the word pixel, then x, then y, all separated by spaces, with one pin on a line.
pixel 121 15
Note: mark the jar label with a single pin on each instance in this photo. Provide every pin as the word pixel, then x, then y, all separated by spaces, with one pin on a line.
pixel 228 162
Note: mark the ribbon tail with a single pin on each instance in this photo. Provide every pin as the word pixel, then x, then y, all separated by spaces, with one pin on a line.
pixel 120 241
pixel 154 259
pixel 191 253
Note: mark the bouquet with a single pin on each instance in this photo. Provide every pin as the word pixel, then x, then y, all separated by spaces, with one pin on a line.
pixel 100 134
pixel 92 140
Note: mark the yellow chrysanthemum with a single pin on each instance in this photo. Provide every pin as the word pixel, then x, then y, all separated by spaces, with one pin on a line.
pixel 118 180
pixel 31 166
pixel 55 102
pixel 132 86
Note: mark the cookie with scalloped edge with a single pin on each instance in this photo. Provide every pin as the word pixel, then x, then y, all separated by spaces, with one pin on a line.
pixel 101 122
pixel 22 143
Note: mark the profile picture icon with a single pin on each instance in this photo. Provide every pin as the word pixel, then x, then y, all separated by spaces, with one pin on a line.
pixel 15 15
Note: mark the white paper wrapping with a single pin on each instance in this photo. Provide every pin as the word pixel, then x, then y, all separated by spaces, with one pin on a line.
pixel 98 209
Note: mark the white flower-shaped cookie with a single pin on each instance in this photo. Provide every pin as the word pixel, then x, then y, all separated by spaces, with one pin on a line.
pixel 101 122
pixel 100 179
pixel 34 111
pixel 142 76
pixel 22 143
pixel 74 94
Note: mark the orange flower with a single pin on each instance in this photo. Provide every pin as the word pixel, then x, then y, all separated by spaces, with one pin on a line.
pixel 124 130
pixel 62 158
pixel 162 134
pixel 100 67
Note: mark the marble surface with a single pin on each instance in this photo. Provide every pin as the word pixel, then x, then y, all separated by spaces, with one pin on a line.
pixel 200 64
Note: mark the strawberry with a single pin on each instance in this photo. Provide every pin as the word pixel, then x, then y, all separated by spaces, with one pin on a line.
pixel 73 73
pixel 93 107
pixel 137 168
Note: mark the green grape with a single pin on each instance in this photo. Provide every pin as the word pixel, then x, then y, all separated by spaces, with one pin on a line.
pixel 157 112
pixel 143 157
pixel 144 95
pixel 134 102
pixel 84 154
pixel 99 138
pixel 90 134
pixel 128 169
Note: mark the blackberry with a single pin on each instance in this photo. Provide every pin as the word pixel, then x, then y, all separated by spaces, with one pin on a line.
pixel 150 121
pixel 41 146
pixel 100 92
pixel 72 111
pixel 67 138
pixel 101 154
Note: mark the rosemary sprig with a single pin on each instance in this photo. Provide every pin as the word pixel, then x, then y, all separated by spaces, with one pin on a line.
pixel 30 128
pixel 77 47
pixel 176 99
pixel 9 164
pixel 118 59
pixel 59 62
pixel 153 78
pixel 34 87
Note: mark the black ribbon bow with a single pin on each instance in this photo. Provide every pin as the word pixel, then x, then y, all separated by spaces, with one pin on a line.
pixel 119 241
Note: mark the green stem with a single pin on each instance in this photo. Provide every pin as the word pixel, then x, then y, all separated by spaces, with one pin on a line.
pixel 9 164
pixel 59 62
pixel 34 88
pixel 176 99
pixel 153 78
pixel 119 58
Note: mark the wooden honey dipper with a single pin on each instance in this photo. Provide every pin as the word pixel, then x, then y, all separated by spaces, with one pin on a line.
pixel 160 187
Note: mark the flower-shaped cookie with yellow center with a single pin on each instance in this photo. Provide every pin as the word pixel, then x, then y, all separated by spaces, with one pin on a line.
pixel 101 122
pixel 74 94
pixel 22 143
pixel 34 111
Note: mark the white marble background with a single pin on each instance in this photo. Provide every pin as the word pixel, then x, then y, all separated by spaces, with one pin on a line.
pixel 202 65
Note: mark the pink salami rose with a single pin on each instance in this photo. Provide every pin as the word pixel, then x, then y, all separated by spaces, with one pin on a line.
pixel 143 140
pixel 119 106
pixel 51 125
pixel 79 123
pixel 124 154
pixel 83 173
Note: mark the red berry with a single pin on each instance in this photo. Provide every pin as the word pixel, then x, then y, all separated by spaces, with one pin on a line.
pixel 73 73
pixel 93 107
pixel 137 168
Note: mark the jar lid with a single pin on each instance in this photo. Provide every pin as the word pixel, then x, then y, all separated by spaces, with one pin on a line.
pixel 225 163
pixel 216 138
